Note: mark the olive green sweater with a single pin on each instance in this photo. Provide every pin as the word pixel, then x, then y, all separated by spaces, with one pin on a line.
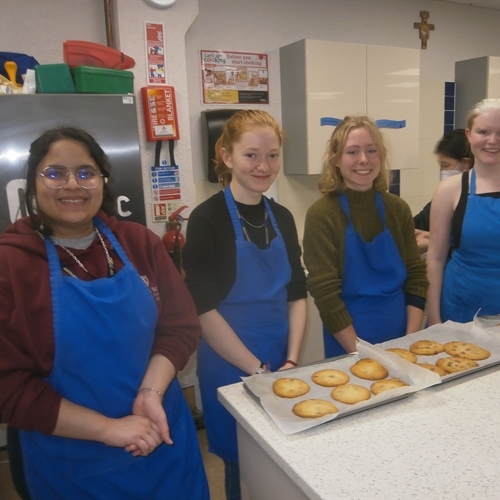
pixel 325 227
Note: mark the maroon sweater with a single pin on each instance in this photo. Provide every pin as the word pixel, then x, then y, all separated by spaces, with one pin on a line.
pixel 27 400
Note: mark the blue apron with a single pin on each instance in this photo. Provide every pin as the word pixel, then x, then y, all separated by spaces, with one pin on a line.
pixel 256 308
pixel 372 285
pixel 472 276
pixel 103 333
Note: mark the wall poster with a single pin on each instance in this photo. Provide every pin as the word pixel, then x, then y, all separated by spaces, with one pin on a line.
pixel 155 54
pixel 234 77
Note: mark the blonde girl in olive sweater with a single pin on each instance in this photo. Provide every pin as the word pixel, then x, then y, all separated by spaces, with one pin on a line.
pixel 365 271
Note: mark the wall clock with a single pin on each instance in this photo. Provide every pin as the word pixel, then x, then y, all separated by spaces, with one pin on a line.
pixel 161 4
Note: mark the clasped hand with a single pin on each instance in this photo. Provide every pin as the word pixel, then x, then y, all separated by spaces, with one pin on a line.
pixel 143 431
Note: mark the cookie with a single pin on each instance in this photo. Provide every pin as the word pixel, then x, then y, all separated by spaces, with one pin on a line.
pixel 350 393
pixel 454 365
pixel 314 408
pixel 426 348
pixel 386 385
pixel 369 369
pixel 403 353
pixel 466 350
pixel 290 387
pixel 330 378
pixel 433 368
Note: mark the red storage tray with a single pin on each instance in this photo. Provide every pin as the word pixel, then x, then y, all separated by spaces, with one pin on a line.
pixel 81 53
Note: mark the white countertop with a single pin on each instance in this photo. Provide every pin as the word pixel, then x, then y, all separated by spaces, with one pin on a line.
pixel 440 443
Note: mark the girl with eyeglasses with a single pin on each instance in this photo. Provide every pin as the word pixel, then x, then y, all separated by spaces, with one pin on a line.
pixel 95 322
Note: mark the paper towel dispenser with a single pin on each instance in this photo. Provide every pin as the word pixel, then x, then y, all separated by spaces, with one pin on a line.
pixel 212 122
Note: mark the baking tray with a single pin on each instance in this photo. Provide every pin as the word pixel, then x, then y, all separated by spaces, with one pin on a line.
pixel 478 332
pixel 280 409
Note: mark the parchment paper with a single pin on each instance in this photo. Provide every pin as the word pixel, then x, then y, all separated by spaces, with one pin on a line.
pixel 280 409
pixel 476 332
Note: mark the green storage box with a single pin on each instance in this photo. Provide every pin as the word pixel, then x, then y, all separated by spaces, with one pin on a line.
pixel 91 80
pixel 54 79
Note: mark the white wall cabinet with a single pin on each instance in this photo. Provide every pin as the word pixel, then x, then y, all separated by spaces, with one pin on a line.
pixel 475 79
pixel 323 79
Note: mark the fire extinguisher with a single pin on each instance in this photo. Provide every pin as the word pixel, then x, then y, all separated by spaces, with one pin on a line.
pixel 173 239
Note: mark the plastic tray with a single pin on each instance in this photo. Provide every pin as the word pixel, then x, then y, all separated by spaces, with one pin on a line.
pixel 81 53
pixel 90 80
pixel 53 79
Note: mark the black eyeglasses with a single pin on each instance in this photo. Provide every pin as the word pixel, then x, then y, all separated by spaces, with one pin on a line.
pixel 57 177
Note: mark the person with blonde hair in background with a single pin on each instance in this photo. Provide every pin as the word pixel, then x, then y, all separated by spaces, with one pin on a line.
pixel 465 217
pixel 365 271
pixel 243 268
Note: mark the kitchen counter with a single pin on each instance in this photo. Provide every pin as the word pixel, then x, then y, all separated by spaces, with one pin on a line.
pixel 439 443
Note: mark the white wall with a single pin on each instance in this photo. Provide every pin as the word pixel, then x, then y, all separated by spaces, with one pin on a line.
pixel 461 32
pixel 39 27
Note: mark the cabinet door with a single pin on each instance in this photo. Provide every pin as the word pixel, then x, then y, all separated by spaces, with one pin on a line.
pixel 493 90
pixel 335 87
pixel 393 76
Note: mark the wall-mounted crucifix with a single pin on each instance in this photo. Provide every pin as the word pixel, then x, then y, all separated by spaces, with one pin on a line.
pixel 424 28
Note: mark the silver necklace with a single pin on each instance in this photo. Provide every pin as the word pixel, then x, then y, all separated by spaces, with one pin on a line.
pixel 244 229
pixel 109 259
pixel 250 224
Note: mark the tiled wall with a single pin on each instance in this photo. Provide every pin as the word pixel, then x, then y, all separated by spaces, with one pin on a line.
pixel 449 106
pixel 418 184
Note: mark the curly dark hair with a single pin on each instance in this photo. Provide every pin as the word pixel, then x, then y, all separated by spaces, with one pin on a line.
pixel 39 149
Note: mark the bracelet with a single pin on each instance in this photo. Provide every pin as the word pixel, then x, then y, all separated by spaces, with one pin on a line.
pixel 260 369
pixel 263 368
pixel 151 389
pixel 289 362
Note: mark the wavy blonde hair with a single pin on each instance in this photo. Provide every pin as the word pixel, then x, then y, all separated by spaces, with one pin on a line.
pixel 239 123
pixel 331 180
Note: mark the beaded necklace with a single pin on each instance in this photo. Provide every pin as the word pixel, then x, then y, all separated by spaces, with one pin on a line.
pixel 109 259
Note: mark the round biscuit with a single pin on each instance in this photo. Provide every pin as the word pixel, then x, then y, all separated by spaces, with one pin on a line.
pixel 369 369
pixel 314 408
pixel 466 350
pixel 454 364
pixel 350 393
pixel 330 378
pixel 426 348
pixel 288 387
pixel 386 385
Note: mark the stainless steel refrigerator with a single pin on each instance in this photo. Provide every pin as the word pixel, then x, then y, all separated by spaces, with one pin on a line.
pixel 111 119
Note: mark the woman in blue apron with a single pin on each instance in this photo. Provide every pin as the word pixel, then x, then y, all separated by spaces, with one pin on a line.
pixel 242 262
pixel 365 271
pixel 454 157
pixel 469 220
pixel 122 426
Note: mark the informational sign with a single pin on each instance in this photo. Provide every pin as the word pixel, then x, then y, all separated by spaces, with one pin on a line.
pixel 234 77
pixel 165 190
pixel 160 113
pixel 155 54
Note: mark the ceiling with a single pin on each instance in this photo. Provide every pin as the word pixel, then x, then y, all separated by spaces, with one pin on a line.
pixel 492 4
